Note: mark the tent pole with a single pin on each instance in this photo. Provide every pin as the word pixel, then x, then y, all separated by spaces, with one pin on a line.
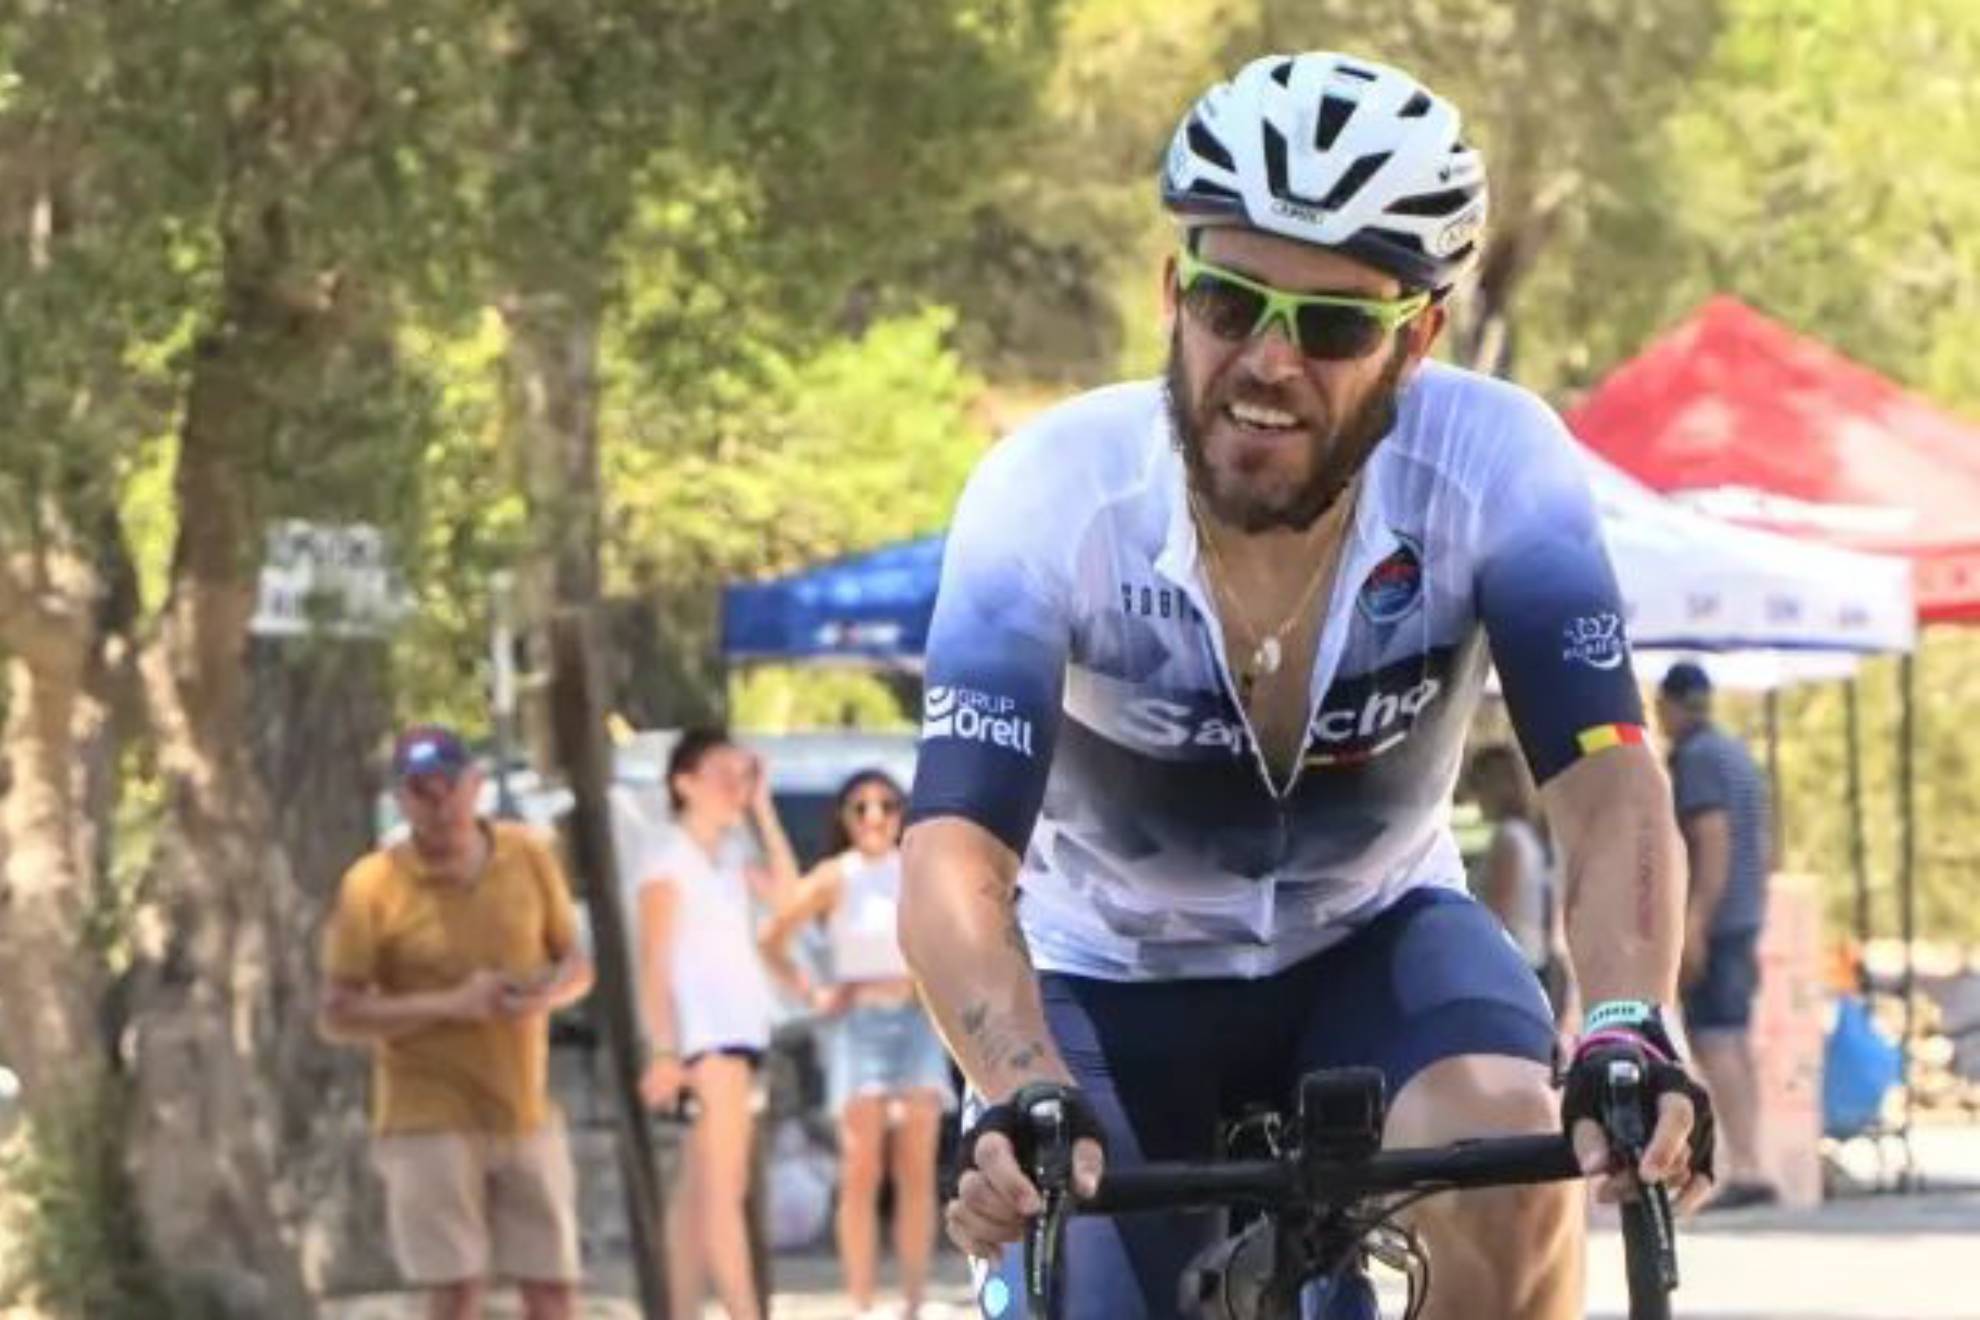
pixel 1858 855
pixel 1907 895
pixel 1776 804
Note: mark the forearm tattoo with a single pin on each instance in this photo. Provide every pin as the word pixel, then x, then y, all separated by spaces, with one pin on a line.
pixel 1648 850
pixel 997 1043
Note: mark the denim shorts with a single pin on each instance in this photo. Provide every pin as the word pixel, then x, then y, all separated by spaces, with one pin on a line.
pixel 886 1050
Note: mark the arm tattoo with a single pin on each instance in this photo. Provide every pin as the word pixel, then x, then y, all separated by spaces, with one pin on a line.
pixel 1647 848
pixel 1645 864
pixel 999 1046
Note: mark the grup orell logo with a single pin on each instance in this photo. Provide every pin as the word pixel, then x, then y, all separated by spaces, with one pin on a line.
pixel 972 716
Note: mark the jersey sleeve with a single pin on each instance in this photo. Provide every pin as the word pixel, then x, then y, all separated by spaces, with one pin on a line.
pixel 996 650
pixel 1552 610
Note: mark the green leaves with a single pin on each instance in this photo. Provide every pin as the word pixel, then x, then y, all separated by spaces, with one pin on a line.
pixel 867 441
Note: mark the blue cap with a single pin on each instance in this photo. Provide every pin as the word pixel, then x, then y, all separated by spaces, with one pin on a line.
pixel 1685 679
pixel 429 749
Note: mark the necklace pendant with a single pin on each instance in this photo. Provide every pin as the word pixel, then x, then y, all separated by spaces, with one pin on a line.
pixel 1265 659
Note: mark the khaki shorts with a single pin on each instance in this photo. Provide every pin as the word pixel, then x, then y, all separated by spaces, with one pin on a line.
pixel 464 1205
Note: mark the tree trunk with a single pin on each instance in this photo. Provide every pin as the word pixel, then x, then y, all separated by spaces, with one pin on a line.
pixel 552 422
pixel 1484 320
pixel 321 710
pixel 208 1003
pixel 665 664
pixel 49 983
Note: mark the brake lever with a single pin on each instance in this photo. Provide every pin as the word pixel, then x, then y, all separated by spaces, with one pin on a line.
pixel 1628 1133
pixel 1051 1174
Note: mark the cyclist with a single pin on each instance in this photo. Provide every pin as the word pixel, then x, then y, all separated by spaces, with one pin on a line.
pixel 1199 676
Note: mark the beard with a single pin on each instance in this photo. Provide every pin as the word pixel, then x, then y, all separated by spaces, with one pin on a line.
pixel 1337 448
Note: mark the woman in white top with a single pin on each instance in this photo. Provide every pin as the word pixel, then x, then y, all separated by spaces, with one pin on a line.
pixel 888 1068
pixel 707 1004
pixel 1521 880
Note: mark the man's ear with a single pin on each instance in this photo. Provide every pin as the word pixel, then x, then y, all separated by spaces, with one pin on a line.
pixel 1425 329
pixel 1170 294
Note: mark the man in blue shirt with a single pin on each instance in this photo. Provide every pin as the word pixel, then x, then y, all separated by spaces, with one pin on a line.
pixel 1722 812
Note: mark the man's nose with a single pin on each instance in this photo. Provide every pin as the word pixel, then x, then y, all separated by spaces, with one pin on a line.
pixel 1271 356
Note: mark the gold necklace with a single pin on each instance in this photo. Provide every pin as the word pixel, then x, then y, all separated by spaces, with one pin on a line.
pixel 1267 651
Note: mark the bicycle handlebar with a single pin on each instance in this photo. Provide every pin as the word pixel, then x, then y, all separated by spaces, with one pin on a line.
pixel 1326 1181
pixel 1279 1184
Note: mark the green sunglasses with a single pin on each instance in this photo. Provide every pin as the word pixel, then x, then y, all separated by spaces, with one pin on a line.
pixel 1328 327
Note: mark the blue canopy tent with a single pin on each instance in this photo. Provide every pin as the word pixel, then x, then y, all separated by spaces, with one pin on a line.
pixel 870 608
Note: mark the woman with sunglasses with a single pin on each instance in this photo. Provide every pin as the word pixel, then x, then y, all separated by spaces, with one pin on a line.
pixel 707 1004
pixel 889 1074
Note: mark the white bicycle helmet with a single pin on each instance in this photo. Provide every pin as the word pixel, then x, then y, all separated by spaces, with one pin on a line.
pixel 1339 152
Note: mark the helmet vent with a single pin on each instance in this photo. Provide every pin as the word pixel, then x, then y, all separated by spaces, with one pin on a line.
pixel 1282 73
pixel 1394 238
pixel 1275 161
pixel 1334 112
pixel 1417 107
pixel 1355 71
pixel 1205 144
pixel 1436 203
pixel 1350 183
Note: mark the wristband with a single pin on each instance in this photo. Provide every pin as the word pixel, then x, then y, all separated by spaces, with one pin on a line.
pixel 1629 1014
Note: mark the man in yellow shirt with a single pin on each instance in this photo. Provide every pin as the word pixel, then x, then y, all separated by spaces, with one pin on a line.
pixel 447 954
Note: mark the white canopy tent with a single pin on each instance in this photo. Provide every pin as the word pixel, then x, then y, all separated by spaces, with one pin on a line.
pixel 1758 610
pixel 1694 583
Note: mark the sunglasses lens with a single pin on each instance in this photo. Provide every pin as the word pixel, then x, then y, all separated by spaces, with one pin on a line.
pixel 1333 333
pixel 1228 311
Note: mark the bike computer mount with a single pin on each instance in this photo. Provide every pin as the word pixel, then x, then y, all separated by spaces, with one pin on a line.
pixel 1341 1112
pixel 1337 1119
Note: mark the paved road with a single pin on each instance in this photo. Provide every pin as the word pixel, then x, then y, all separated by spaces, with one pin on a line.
pixel 1909 1257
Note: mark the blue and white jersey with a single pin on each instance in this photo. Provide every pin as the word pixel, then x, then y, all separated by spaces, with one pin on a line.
pixel 1080 707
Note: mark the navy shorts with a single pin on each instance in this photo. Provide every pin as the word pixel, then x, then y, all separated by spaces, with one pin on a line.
pixel 1722 999
pixel 1167 1063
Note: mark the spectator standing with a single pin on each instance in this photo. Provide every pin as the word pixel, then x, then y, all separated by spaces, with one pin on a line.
pixel 1722 811
pixel 1521 879
pixel 447 953
pixel 707 1004
pixel 889 1073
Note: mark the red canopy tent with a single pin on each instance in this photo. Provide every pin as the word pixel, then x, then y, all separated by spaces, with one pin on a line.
pixel 1764 426
pixel 1761 425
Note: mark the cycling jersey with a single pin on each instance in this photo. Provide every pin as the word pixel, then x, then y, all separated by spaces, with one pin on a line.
pixel 1079 704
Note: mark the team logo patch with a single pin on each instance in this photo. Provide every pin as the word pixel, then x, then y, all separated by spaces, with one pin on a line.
pixel 1595 640
pixel 1393 587
pixel 971 716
